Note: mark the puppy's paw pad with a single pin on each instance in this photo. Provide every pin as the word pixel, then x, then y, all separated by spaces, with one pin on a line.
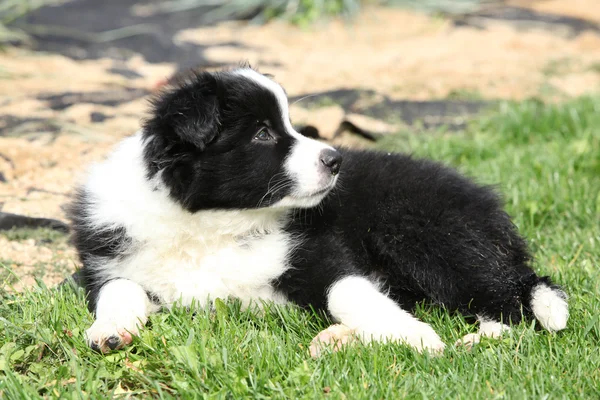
pixel 332 338
pixel 114 342
pixel 468 341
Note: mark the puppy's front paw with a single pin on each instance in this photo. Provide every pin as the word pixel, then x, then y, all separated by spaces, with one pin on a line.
pixel 107 335
pixel 416 334
pixel 423 338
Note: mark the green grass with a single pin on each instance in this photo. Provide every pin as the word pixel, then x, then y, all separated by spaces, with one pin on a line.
pixel 546 160
pixel 7 276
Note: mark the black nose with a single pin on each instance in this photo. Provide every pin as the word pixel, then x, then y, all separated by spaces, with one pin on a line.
pixel 332 160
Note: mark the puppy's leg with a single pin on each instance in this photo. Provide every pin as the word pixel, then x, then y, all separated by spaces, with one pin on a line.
pixel 357 303
pixel 487 328
pixel 122 309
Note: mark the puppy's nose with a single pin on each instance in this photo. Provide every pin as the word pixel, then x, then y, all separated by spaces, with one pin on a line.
pixel 332 160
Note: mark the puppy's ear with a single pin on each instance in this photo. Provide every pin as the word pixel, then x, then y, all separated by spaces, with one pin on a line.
pixel 187 111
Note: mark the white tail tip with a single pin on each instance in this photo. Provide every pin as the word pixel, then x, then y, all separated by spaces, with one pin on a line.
pixel 550 307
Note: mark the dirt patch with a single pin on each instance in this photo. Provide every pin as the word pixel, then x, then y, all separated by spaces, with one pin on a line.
pixel 110 98
pixel 584 9
pixel 402 55
pixel 116 29
pixel 30 255
pixel 68 100
pixel 526 19
pixel 429 113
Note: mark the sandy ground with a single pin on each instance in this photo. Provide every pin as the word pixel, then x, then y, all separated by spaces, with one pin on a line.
pixel 45 146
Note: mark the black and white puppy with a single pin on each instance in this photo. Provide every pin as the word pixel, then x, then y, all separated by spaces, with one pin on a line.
pixel 218 196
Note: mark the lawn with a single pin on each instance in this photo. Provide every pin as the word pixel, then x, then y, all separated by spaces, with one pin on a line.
pixel 545 159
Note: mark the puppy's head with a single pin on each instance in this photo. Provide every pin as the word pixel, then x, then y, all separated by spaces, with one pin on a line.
pixel 224 140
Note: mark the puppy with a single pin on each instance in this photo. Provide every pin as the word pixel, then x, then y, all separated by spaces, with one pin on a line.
pixel 218 196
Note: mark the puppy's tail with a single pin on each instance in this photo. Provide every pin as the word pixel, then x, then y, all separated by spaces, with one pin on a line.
pixel 548 304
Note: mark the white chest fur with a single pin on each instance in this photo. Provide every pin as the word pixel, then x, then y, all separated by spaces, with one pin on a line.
pixel 201 267
pixel 177 255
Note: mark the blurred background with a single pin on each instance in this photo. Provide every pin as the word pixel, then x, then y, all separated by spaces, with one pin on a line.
pixel 75 76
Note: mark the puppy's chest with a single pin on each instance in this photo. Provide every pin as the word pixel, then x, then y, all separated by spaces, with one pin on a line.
pixel 203 267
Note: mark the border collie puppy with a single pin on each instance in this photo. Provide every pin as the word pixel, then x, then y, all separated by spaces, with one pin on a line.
pixel 218 196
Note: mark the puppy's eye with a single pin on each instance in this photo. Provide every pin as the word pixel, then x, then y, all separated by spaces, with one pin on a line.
pixel 262 135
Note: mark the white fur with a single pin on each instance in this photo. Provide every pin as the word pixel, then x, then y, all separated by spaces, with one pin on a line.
pixel 178 255
pixel 123 306
pixel 549 307
pixel 491 328
pixel 357 303
pixel 303 164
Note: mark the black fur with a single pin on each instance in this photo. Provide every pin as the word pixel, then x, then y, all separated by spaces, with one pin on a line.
pixel 204 126
pixel 425 231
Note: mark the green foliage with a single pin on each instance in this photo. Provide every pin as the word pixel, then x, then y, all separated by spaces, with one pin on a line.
pixel 440 6
pixel 301 12
pixel 10 10
pixel 13 9
pixel 306 12
pixel 546 162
